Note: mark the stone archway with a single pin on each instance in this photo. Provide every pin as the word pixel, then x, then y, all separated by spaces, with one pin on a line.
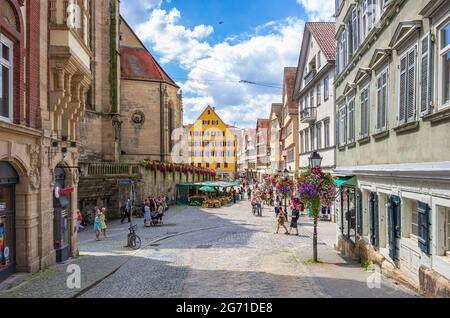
pixel 27 216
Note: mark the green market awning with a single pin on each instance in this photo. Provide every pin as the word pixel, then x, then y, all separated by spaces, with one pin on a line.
pixel 211 184
pixel 207 189
pixel 341 181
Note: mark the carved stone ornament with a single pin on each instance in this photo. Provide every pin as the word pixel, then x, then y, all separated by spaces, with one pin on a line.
pixel 138 118
pixel 75 176
pixel 34 175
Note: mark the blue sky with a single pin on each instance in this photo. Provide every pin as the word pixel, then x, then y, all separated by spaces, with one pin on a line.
pixel 208 46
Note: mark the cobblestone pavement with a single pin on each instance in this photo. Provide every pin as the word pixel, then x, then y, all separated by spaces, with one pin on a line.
pixel 226 252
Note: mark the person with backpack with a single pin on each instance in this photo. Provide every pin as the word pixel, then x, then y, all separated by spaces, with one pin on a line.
pixel 281 220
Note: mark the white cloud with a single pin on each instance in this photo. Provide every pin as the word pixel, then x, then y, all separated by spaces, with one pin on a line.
pixel 135 12
pixel 214 71
pixel 316 10
pixel 172 40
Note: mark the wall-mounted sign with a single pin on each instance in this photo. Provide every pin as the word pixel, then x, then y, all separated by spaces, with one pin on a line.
pixel 67 191
pixel 124 181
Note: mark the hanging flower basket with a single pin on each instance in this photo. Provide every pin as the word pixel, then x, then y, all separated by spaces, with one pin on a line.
pixel 285 186
pixel 316 189
pixel 177 168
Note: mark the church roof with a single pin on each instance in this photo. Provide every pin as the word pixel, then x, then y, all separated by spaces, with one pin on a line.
pixel 139 64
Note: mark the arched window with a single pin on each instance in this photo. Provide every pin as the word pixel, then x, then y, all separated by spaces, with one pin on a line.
pixel 170 125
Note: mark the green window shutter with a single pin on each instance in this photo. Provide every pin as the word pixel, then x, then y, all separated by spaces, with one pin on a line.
pixel 424 227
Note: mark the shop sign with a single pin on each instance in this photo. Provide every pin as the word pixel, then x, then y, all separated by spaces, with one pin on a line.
pixel 124 182
pixel 67 191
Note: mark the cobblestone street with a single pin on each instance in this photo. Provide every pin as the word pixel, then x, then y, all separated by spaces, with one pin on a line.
pixel 209 253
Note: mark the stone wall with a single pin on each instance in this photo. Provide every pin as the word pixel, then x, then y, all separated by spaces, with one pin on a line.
pixel 102 190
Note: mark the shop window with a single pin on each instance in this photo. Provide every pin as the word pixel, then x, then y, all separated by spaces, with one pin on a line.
pixel 7 233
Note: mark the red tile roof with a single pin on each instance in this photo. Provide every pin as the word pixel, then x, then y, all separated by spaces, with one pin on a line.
pixel 263 123
pixel 324 33
pixel 139 64
pixel 290 74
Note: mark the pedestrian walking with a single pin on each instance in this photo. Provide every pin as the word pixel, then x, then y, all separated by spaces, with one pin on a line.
pixel 98 225
pixel 127 212
pixel 282 222
pixel 147 215
pixel 294 221
pixel 104 227
pixel 276 205
pixel 78 225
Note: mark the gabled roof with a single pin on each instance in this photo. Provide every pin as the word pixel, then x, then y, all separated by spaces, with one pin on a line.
pixel 262 123
pixel 139 64
pixel 277 109
pixel 290 74
pixel 324 33
pixel 213 111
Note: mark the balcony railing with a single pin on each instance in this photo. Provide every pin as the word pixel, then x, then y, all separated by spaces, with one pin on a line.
pixel 308 115
pixel 310 76
pixel 109 169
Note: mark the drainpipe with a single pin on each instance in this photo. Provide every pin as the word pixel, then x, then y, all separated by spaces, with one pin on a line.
pixel 161 119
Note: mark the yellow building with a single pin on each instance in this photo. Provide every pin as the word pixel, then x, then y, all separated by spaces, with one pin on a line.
pixel 213 144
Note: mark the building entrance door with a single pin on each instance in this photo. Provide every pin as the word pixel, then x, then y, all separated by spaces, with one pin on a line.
pixel 374 221
pixel 61 204
pixel 394 227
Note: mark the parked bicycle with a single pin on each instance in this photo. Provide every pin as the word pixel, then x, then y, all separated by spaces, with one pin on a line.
pixel 134 241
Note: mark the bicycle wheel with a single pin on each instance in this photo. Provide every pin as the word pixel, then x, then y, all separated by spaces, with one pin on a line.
pixel 134 242
pixel 137 242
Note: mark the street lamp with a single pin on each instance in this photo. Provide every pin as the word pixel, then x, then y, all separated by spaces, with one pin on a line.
pixel 286 175
pixel 315 160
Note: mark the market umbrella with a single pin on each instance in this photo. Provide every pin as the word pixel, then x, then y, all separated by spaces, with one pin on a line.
pixel 207 189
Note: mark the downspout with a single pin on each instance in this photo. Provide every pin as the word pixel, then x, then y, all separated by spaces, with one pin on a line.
pixel 161 119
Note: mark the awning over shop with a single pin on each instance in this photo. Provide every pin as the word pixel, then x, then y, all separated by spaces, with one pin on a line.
pixel 349 180
pixel 212 184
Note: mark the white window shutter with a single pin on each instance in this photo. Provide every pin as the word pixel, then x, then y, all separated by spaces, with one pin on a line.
pixel 426 75
pixel 403 90
pixel 411 97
